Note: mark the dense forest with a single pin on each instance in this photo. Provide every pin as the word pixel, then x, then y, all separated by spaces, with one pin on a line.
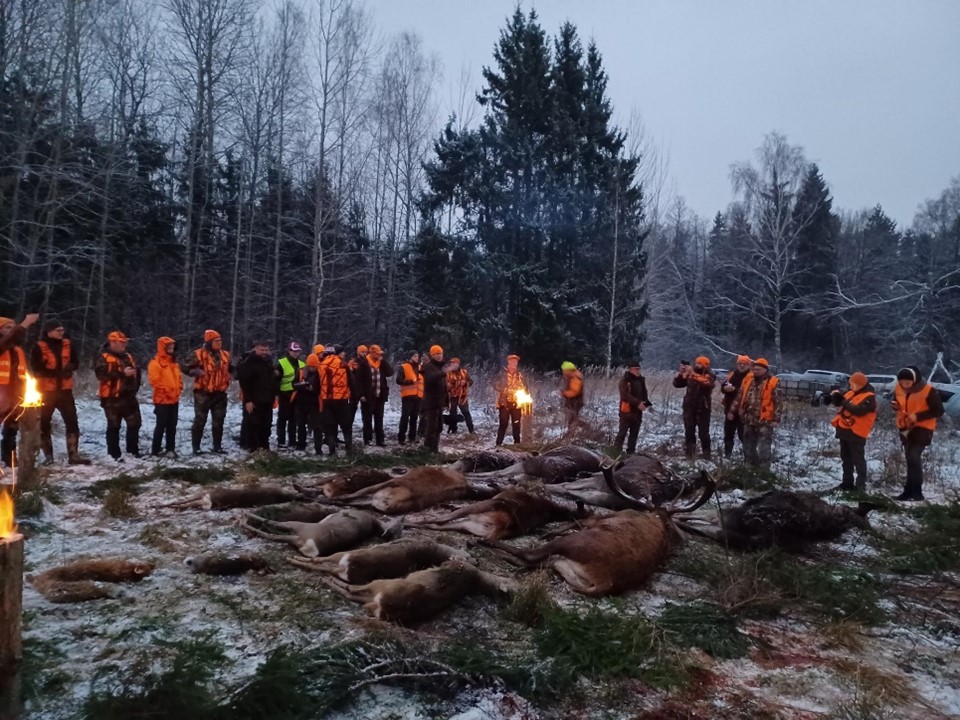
pixel 287 172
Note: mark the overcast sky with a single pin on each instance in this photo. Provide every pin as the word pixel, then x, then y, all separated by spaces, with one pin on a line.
pixel 870 89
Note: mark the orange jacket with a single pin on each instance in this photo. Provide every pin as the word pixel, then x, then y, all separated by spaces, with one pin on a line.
pixel 216 375
pixel 164 374
pixel 6 363
pixel 51 362
pixel 859 425
pixel 412 381
pixel 769 412
pixel 914 403
pixel 334 384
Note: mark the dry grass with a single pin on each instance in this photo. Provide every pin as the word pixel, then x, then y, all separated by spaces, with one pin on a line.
pixel 876 694
pixel 118 503
pixel 843 634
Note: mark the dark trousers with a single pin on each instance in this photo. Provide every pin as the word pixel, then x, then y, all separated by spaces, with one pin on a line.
pixel 119 410
pixel 694 422
pixel 212 404
pixel 259 423
pixel 913 451
pixel 460 407
pixel 509 414
pixel 852 458
pixel 302 407
pixel 731 429
pixel 337 415
pixel 286 430
pixel 167 416
pixel 629 429
pixel 8 439
pixel 432 422
pixel 409 414
pixel 54 401
pixel 315 422
pixel 372 412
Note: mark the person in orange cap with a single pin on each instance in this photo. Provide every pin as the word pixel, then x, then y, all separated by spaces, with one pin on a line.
pixel 119 377
pixel 732 427
pixel 506 384
pixel 856 414
pixel 167 382
pixel 209 366
pixel 373 379
pixel 434 397
pixel 13 375
pixel 699 380
pixel 758 404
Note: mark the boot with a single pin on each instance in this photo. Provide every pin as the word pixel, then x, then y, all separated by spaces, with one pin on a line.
pixel 73 450
pixel 46 445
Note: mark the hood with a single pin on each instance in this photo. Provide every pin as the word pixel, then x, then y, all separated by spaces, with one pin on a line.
pixel 161 343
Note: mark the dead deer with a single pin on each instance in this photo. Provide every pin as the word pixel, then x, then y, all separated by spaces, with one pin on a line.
pixel 351 482
pixel 641 475
pixel 80 580
pixel 422 594
pixel 340 531
pixel 611 554
pixel 228 565
pixel 417 489
pixel 393 559
pixel 223 498
pixel 488 460
pixel 782 518
pixel 554 465
pixel 515 511
pixel 295 511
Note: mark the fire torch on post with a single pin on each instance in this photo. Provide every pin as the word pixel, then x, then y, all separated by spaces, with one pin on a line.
pixel 29 441
pixel 524 401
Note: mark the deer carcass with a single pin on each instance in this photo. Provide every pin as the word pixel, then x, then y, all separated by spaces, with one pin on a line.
pixel 340 531
pixel 559 463
pixel 351 482
pixel 80 580
pixel 228 565
pixel 223 498
pixel 422 594
pixel 515 511
pixel 417 489
pixel 393 559
pixel 488 460
pixel 641 475
pixel 295 511
pixel 611 554
pixel 783 518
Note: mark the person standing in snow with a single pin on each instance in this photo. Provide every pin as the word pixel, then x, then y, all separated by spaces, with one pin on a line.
pixel 120 378
pixel 508 381
pixel 633 401
pixel 918 406
pixel 856 414
pixel 458 392
pixel 373 379
pixel 733 427
pixel 758 405
pixel 290 370
pixel 699 381
pixel 258 386
pixel 210 368
pixel 434 397
pixel 571 392
pixel 411 393
pixel 167 382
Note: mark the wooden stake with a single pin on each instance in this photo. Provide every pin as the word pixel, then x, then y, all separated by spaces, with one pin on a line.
pixel 11 619
pixel 28 449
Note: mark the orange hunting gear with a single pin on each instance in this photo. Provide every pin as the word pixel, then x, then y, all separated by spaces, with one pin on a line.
pixel 703 361
pixel 333 381
pixel 5 366
pixel 362 349
pixel 573 385
pixel 762 362
pixel 110 387
pixel 414 386
pixel 49 384
pixel 435 349
pixel 216 377
pixel 913 404
pixel 743 358
pixel 164 374
pixel 768 413
pixel 117 336
pixel 210 335
pixel 859 425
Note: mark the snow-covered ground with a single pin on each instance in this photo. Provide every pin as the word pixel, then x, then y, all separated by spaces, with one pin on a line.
pixel 793 671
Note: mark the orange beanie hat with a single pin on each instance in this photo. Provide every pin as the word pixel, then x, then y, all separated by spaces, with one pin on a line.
pixel 702 360
pixel 117 336
pixel 210 335
pixel 858 380
pixel 434 349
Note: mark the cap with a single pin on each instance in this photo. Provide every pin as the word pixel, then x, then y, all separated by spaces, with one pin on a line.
pixel 49 326
pixel 411 353
pixel 762 362
pixel 435 349
pixel 454 361
pixel 312 360
pixel 117 336
pixel 376 350
pixel 361 349
pixel 318 349
pixel 633 364
pixel 294 347
pixel 513 357
pixel 330 349
pixel 210 335
pixel 858 380
pixel 743 358
pixel 702 360
pixel 907 374
pixel 567 365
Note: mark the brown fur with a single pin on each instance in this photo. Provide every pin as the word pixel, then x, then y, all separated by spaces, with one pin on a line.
pixel 422 594
pixel 358 479
pixel 641 475
pixel 222 498
pixel 228 565
pixel 419 488
pixel 341 531
pixel 559 463
pixel 295 511
pixel 513 512
pixel 393 559
pixel 79 581
pixel 609 555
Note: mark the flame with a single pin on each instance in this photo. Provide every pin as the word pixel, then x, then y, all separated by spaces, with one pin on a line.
pixel 31 395
pixel 7 526
pixel 524 400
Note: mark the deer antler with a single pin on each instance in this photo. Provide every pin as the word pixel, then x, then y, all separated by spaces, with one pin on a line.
pixel 608 476
pixel 711 486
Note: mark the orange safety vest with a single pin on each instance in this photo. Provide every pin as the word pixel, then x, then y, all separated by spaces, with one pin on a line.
pixel 6 363
pixel 573 386
pixel 913 403
pixel 333 383
pixel 416 389
pixel 860 425
pixel 110 388
pixel 767 410
pixel 216 378
pixel 46 384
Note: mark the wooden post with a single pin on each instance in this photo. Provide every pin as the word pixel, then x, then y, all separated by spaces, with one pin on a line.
pixel 526 426
pixel 11 618
pixel 28 449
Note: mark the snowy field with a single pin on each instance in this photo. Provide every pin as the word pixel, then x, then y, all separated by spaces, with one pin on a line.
pixel 800 660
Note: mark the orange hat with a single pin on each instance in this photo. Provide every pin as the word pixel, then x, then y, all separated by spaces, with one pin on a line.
pixel 513 357
pixel 858 380
pixel 376 350
pixel 117 336
pixel 210 335
pixel 702 360
pixel 362 349
pixel 318 348
pixel 313 361
pixel 435 349
pixel 763 362
pixel 743 358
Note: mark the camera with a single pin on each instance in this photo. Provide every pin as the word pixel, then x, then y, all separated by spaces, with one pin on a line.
pixel 684 362
pixel 832 397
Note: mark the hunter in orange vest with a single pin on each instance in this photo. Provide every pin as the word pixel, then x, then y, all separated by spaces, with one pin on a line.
pixel 411 391
pixel 633 401
pixel 167 381
pixel 13 374
pixel 209 366
pixel 458 394
pixel 119 377
pixel 53 361
pixel 335 399
pixel 856 414
pixel 758 405
pixel 918 406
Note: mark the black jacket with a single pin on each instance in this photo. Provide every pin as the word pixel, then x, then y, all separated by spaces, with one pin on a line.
pixel 919 435
pixel 633 391
pixel 736 379
pixel 434 385
pixel 365 379
pixel 699 391
pixel 258 379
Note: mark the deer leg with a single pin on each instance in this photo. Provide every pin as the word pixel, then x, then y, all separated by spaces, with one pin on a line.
pixel 293 539
pixel 507 472
pixel 194 501
pixel 320 565
pixel 530 558
pixel 367 490
pixel 354 593
pixel 455 515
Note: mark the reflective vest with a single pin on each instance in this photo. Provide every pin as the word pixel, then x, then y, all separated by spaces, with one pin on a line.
pixel 768 413
pixel 333 380
pixel 412 376
pixel 49 384
pixel 215 378
pixel 572 385
pixel 859 425
pixel 291 374
pixel 110 388
pixel 913 403
pixel 458 384
pixel 6 360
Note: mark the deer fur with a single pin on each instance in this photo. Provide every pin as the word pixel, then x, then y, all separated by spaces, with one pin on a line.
pixel 489 460
pixel 222 498
pixel 554 465
pixel 393 559
pixel 351 482
pixel 422 594
pixel 514 511
pixel 80 580
pixel 340 531
pixel 296 511
pixel 228 565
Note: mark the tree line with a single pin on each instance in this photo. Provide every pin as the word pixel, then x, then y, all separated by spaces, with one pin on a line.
pixel 287 172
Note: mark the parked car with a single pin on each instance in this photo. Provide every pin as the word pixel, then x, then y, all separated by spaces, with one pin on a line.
pixel 883 384
pixel 811 384
pixel 950 395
